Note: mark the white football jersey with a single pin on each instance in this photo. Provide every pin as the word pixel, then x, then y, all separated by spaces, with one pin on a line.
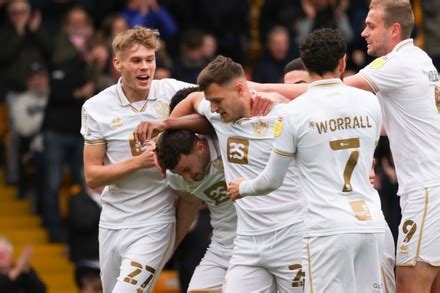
pixel 408 88
pixel 332 131
pixel 245 146
pixel 141 198
pixel 212 190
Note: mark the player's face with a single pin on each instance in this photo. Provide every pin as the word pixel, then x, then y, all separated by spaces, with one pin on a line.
pixel 5 258
pixel 192 167
pixel 227 100
pixel 296 77
pixel 137 65
pixel 376 33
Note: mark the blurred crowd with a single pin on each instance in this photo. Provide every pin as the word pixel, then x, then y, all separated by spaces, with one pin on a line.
pixel 57 54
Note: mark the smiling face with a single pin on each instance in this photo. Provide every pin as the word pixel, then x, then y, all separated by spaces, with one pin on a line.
pixel 192 167
pixel 137 65
pixel 376 33
pixel 231 101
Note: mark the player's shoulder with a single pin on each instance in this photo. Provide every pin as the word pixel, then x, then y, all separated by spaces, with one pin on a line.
pixel 105 97
pixel 166 86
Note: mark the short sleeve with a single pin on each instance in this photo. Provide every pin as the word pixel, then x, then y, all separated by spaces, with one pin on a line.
pixel 204 108
pixel 285 138
pixel 176 182
pixel 384 74
pixel 90 129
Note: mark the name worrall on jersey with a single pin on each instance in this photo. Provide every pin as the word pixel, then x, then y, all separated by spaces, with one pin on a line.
pixel 342 123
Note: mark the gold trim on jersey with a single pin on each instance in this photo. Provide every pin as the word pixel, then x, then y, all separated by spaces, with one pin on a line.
pixel 419 241
pixel 95 142
pixel 384 280
pixel 425 211
pixel 310 266
pixel 370 82
pixel 282 153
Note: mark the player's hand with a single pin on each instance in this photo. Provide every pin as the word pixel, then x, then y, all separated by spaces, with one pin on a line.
pixel 147 130
pixel 234 189
pixel 23 263
pixel 148 157
pixel 261 104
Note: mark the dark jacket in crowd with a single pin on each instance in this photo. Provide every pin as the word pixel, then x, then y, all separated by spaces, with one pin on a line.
pixel 26 282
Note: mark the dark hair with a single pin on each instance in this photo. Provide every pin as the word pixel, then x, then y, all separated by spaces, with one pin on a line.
pixel 321 50
pixel 172 144
pixel 295 64
pixel 220 71
pixel 181 95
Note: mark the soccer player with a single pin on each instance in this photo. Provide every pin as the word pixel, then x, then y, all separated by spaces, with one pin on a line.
pixel 267 249
pixel 331 131
pixel 295 73
pixel 407 85
pixel 197 170
pixel 137 225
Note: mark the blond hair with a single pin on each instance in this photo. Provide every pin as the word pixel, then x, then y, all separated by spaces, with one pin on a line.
pixel 137 35
pixel 396 11
pixel 6 243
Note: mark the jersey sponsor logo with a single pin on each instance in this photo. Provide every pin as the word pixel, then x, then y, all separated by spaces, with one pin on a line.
pixel 237 150
pixel 278 126
pixel 162 108
pixel 217 192
pixel 260 127
pixel 378 62
pixel 360 210
pixel 116 122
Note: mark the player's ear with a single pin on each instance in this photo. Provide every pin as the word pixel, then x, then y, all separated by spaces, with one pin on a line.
pixel 239 88
pixel 117 64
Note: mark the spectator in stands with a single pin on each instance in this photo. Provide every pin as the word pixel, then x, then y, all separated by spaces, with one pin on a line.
pixel 72 82
pixel 324 13
pixel 150 14
pixel 24 42
pixel 192 58
pixel 17 277
pixel 431 29
pixel 83 221
pixel 270 68
pixel 27 113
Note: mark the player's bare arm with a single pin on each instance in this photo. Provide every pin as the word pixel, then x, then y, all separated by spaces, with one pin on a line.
pixel 188 105
pixel 147 130
pixel 97 174
pixel 186 212
pixel 290 91
pixel 359 82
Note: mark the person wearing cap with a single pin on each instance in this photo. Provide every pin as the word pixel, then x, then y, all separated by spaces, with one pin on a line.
pixel 27 113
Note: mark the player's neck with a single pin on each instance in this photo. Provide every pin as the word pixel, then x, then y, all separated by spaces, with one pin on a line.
pixel 327 75
pixel 134 96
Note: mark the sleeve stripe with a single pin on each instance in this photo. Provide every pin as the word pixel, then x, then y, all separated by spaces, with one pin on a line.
pixel 95 142
pixel 282 153
pixel 369 81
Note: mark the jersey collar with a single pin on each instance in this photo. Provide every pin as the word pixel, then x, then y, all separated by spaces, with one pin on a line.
pixel 326 82
pixel 123 98
pixel 402 44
